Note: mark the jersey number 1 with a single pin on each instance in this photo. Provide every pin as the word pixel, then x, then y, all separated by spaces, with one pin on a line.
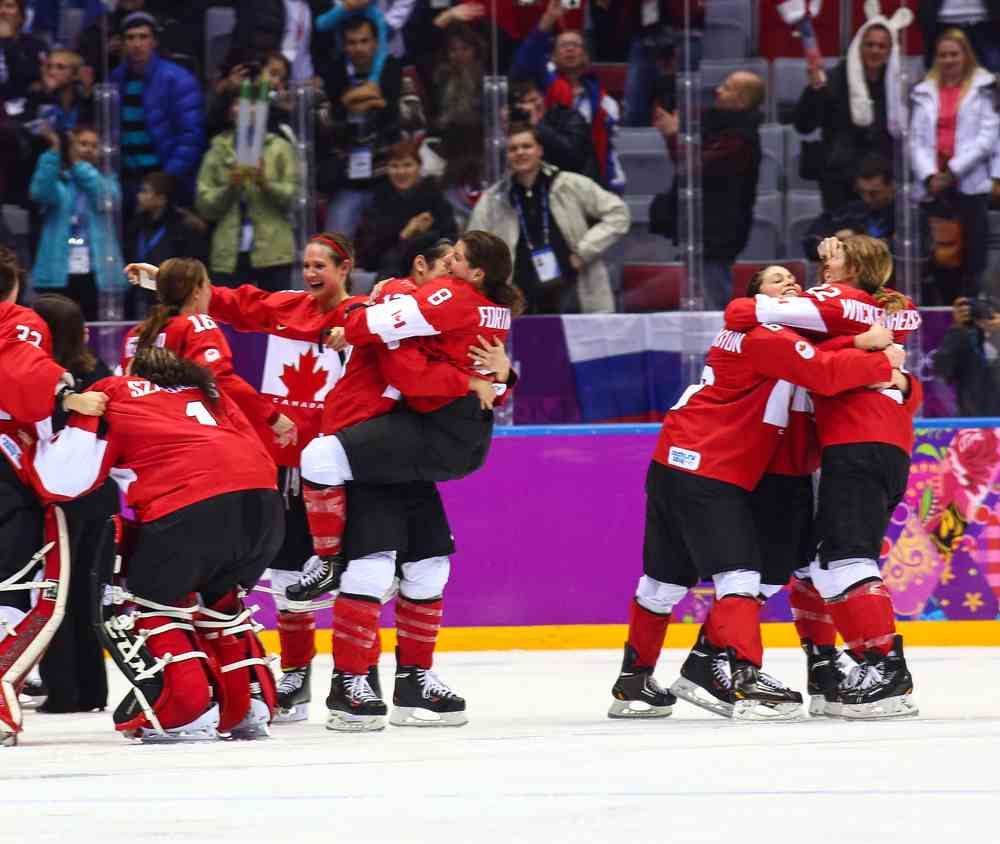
pixel 199 412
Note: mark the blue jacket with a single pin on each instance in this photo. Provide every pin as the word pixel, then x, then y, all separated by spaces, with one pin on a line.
pixel 56 190
pixel 175 116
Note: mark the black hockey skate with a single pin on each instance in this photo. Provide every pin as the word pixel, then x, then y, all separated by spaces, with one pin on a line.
pixel 374 681
pixel 294 695
pixel 760 697
pixel 323 576
pixel 33 693
pixel 704 679
pixel 353 705
pixel 880 687
pixel 420 699
pixel 636 694
pixel 824 676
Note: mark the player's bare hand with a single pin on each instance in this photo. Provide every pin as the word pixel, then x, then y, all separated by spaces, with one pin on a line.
pixel 491 356
pixel 896 355
pixel 875 338
pixel 831 252
pixel 135 272
pixel 484 390
pixel 336 339
pixel 376 293
pixel 285 432
pixel 87 404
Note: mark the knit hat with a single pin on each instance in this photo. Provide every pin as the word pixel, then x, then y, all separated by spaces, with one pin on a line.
pixel 862 112
pixel 137 19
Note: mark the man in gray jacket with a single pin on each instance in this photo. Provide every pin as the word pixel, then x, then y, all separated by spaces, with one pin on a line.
pixel 557 225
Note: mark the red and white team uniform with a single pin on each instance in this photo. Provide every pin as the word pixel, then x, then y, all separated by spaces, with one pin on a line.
pixel 28 374
pixel 197 338
pixel 159 465
pixel 730 426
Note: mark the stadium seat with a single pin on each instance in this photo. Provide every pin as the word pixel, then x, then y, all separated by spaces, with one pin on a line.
pixel 641 246
pixel 220 21
pixel 714 71
pixel 652 287
pixel 995 228
pixel 803 207
pixel 743 270
pixel 772 163
pixel 612 76
pixel 644 157
pixel 70 26
pixel 793 153
pixel 729 29
pixel 788 79
pixel 765 233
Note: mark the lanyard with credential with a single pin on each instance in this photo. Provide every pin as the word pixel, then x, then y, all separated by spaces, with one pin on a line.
pixel 145 247
pixel 524 220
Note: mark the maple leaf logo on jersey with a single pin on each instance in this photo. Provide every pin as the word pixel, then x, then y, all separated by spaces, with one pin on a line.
pixel 306 379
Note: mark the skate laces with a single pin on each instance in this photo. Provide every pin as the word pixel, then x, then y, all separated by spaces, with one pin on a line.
pixel 316 569
pixel 720 664
pixel 431 684
pixel 291 681
pixel 771 683
pixel 358 688
pixel 864 676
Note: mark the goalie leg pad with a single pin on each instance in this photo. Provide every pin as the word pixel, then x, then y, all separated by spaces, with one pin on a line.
pixel 249 695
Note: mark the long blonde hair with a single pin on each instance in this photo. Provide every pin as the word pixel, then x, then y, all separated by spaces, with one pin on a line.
pixel 971 60
pixel 869 262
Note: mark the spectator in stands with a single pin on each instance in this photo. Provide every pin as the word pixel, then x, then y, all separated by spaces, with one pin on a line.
pixel 657 46
pixel 354 11
pixel 162 113
pixel 403 207
pixel 78 253
pixel 544 215
pixel 358 128
pixel 21 55
pixel 730 166
pixel 563 133
pixel 464 168
pixel 63 96
pixel 954 133
pixel 457 88
pixel 978 19
pixel 240 68
pixel 253 241
pixel 159 230
pixel 969 357
pixel 566 81
pixel 277 26
pixel 854 107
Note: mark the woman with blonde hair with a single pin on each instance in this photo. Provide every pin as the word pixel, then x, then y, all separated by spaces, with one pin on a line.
pixel 954 130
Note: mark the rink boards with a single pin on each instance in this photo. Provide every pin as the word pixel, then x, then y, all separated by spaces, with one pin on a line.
pixel 549 539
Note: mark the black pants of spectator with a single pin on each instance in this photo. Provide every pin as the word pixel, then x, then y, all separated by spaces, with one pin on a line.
pixel 972 212
pixel 82 289
pixel 271 279
pixel 73 667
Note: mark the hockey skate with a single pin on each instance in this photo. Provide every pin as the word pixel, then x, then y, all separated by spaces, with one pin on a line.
pixel 420 699
pixel 353 705
pixel 760 697
pixel 203 728
pixel 33 692
pixel 824 677
pixel 374 681
pixel 879 687
pixel 294 695
pixel 321 575
pixel 637 694
pixel 704 679
pixel 255 723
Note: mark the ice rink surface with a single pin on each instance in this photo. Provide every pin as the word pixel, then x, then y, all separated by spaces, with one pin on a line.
pixel 538 762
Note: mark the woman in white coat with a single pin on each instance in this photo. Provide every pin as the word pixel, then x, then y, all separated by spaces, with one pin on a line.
pixel 954 133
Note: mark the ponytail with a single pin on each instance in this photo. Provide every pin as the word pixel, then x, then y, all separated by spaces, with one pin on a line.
pixel 177 279
pixel 890 301
pixel 489 253
pixel 163 368
pixel 159 316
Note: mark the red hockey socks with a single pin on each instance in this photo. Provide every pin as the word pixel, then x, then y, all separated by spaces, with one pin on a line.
pixel 326 511
pixel 865 618
pixel 297 635
pixel 417 626
pixel 734 622
pixel 646 632
pixel 811 614
pixel 375 652
pixel 355 629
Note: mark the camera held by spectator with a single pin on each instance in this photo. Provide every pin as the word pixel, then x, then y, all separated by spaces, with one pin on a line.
pixel 968 356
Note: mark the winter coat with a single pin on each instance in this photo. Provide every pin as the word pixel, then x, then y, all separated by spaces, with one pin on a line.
pixel 565 137
pixel 269 209
pixel 55 190
pixel 962 360
pixel 574 201
pixel 22 56
pixel 977 133
pixel 175 116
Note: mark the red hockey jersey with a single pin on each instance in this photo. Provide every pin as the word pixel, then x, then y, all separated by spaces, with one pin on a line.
pixel 167 448
pixel 729 426
pixel 883 416
pixel 449 315
pixel 196 337
pixel 29 377
pixel 298 371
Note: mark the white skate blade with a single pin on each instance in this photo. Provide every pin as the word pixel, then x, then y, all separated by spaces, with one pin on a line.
pixel 254 725
pixel 8 739
pixel 755 710
pixel 693 693
pixel 299 712
pixel 203 728
pixel 414 716
pixel 637 709
pixel 343 722
pixel 892 707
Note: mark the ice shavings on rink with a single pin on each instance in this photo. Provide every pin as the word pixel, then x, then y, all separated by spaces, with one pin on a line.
pixel 538 762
